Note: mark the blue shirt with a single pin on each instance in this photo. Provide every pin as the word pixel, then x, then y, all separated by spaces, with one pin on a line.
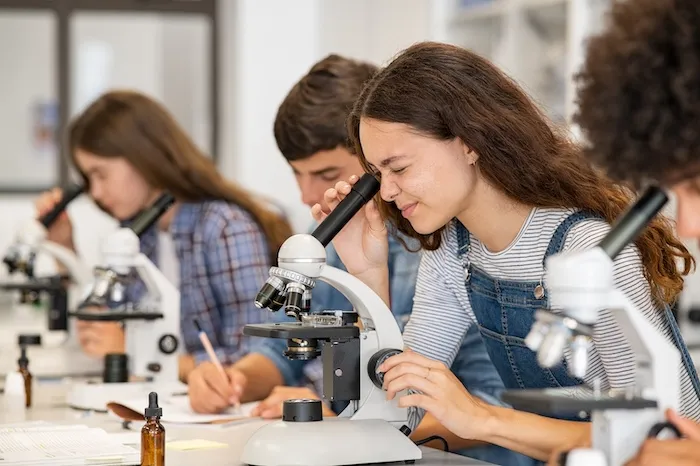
pixel 472 365
pixel 224 259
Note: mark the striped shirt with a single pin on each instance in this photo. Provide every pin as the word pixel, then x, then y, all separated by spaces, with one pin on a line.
pixel 442 312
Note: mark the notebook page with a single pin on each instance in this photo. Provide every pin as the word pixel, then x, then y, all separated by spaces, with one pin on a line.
pixel 60 445
pixel 177 410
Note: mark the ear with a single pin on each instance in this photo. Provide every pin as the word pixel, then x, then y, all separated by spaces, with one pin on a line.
pixel 471 156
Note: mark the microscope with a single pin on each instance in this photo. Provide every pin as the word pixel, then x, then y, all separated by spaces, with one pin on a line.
pixel 370 429
pixel 151 324
pixel 21 256
pixel 581 284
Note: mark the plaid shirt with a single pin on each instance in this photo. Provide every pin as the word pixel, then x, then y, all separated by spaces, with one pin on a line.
pixel 224 259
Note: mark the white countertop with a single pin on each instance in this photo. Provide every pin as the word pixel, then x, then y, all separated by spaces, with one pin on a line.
pixel 49 405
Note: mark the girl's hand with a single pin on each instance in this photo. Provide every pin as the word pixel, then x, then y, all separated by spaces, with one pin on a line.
pixel 362 244
pixel 442 394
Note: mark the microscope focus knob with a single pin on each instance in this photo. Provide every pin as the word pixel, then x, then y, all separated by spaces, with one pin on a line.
pixel 168 343
pixel 375 361
pixel 583 457
pixel 302 410
pixel 694 315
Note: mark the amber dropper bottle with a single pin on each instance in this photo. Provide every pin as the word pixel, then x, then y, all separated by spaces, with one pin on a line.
pixel 153 434
pixel 23 363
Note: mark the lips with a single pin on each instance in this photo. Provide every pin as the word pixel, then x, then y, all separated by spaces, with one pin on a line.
pixel 408 209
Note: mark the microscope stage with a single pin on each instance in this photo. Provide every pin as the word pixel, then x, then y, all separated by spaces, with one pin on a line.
pixel 298 330
pixel 571 400
pixel 115 316
pixel 35 284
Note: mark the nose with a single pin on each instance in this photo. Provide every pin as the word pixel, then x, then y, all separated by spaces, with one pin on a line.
pixel 687 226
pixel 95 192
pixel 388 190
pixel 311 193
pixel 687 221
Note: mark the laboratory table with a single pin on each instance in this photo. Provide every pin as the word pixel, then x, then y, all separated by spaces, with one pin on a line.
pixel 49 405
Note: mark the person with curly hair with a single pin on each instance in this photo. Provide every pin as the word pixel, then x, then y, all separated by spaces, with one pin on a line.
pixel 639 113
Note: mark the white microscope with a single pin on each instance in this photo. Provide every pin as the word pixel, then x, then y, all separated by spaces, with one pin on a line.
pixel 581 283
pixel 371 429
pixel 151 325
pixel 59 354
pixel 21 256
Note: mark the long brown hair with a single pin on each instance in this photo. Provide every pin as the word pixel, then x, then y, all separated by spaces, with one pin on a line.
pixel 133 126
pixel 447 92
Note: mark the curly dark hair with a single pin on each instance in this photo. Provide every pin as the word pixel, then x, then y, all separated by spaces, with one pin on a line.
pixel 639 92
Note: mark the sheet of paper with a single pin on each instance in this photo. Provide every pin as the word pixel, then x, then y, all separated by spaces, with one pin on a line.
pixel 61 445
pixel 196 444
pixel 177 410
pixel 128 437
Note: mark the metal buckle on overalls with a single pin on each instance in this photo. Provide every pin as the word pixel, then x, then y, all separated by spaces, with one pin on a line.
pixel 539 291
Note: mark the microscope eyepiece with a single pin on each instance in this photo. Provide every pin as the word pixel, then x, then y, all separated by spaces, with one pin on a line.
pixel 69 194
pixel 363 191
pixel 626 229
pixel 147 218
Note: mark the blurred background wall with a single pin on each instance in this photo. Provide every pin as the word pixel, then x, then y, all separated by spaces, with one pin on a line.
pixel 223 66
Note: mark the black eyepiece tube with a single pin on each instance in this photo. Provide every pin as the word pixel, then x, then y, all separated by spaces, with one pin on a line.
pixel 148 217
pixel 363 191
pixel 69 194
pixel 626 229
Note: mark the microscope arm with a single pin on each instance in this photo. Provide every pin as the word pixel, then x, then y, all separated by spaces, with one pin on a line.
pixel 157 285
pixel 657 360
pixel 77 270
pixel 368 305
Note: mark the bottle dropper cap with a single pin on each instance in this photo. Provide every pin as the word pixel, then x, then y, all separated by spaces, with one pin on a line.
pixel 23 361
pixel 153 410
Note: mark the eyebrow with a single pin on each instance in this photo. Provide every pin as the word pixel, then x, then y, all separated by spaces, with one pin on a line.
pixel 323 171
pixel 386 162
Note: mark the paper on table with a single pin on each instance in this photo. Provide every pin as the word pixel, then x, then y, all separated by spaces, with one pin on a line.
pixel 128 438
pixel 61 445
pixel 196 444
pixel 177 410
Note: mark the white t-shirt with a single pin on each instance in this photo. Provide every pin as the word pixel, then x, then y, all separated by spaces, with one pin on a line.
pixel 168 262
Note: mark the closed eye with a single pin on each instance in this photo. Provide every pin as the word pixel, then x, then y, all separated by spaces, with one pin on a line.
pixel 398 170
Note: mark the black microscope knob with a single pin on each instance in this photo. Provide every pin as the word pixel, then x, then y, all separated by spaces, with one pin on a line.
pixel 694 315
pixel 168 343
pixel 302 410
pixel 375 361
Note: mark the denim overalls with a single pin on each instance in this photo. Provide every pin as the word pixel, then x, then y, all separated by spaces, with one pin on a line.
pixel 505 309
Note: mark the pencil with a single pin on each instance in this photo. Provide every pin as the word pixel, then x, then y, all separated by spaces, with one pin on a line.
pixel 212 355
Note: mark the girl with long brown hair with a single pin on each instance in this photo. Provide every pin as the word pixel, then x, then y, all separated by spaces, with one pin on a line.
pixel 471 167
pixel 129 149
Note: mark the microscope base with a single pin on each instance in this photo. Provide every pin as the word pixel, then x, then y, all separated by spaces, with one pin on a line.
pixel 331 442
pixel 96 396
